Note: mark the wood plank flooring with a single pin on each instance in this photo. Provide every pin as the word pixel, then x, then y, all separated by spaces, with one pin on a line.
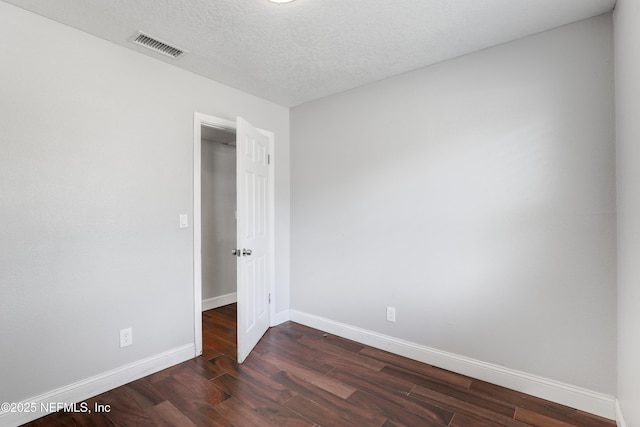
pixel 298 376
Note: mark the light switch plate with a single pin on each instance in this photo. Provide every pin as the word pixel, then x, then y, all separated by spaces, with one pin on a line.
pixel 184 221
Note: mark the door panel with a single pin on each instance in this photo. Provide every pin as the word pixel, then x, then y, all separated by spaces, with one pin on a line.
pixel 253 237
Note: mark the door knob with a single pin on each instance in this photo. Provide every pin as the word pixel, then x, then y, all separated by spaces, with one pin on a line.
pixel 246 252
pixel 235 252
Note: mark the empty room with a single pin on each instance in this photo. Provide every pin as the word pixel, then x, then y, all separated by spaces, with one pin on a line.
pixel 335 213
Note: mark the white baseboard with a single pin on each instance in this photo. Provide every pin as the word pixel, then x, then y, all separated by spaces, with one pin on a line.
pixel 215 302
pixel 619 418
pixel 280 317
pixel 87 388
pixel 555 391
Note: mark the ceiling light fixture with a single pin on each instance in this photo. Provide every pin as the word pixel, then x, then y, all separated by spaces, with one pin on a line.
pixel 281 1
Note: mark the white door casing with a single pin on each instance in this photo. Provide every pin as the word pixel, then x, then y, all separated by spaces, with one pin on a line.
pixel 252 163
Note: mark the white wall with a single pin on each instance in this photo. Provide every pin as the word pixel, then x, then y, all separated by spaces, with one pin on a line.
pixel 476 197
pixel 96 164
pixel 627 54
pixel 219 267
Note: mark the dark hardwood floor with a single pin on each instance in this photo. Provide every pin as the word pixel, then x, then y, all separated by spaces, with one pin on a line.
pixel 298 376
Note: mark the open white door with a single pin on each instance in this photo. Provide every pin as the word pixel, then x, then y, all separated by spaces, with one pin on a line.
pixel 252 157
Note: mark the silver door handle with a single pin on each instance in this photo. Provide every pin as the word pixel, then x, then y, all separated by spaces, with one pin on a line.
pixel 235 252
pixel 246 252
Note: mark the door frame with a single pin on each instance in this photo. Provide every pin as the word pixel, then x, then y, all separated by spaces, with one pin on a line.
pixel 200 119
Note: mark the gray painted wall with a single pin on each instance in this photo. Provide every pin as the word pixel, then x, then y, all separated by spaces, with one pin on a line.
pixel 627 52
pixel 477 197
pixel 96 164
pixel 219 267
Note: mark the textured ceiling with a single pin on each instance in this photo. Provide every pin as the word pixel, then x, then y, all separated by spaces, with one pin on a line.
pixel 309 49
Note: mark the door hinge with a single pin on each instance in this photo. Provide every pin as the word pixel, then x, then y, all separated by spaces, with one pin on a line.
pixel 269 298
pixel 268 159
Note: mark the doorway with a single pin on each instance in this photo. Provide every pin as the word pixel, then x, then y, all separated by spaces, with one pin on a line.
pixel 253 223
pixel 218 224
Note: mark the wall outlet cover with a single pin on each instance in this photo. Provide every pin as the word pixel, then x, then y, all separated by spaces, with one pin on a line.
pixel 126 337
pixel 391 314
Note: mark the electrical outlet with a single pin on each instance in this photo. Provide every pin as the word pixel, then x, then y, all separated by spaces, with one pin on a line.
pixel 391 314
pixel 126 337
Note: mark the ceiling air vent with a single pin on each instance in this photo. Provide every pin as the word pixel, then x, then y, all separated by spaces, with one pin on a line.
pixel 156 45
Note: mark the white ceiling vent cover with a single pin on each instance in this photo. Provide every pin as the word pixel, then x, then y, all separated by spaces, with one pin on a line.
pixel 156 45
